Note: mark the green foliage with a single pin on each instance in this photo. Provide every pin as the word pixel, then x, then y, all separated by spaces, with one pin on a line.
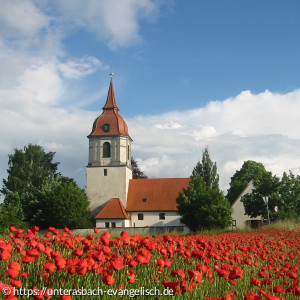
pixel 250 170
pixel 136 172
pixel 202 207
pixel 202 204
pixel 207 170
pixel 11 213
pixel 62 204
pixel 284 194
pixel 289 197
pixel 39 195
pixel 28 168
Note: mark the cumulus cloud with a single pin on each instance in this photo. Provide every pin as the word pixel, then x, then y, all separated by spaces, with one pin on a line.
pixel 21 18
pixel 261 127
pixel 35 72
pixel 170 125
pixel 162 152
pixel 80 67
pixel 116 22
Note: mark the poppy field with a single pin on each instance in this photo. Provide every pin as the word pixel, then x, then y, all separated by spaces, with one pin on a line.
pixel 262 264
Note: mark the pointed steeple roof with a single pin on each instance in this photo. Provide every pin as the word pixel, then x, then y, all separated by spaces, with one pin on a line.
pixel 111 99
pixel 110 122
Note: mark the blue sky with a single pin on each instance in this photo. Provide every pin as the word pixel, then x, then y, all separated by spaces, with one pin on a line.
pixel 204 51
pixel 188 74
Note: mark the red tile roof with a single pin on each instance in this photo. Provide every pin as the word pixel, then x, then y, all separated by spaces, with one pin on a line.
pixel 114 209
pixel 160 194
pixel 111 116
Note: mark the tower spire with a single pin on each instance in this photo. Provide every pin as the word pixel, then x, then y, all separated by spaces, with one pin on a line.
pixel 111 99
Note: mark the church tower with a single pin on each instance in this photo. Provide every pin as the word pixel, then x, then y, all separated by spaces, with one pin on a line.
pixel 109 168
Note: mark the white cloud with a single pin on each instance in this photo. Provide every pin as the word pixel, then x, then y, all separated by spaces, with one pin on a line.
pixel 35 70
pixel 116 22
pixel 80 67
pixel 21 18
pixel 163 152
pixel 42 80
pixel 262 127
pixel 170 125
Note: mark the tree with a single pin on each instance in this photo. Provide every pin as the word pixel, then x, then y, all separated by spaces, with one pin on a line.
pixel 254 203
pixel 289 197
pixel 207 170
pixel 136 172
pixel 202 204
pixel 34 184
pixel 203 207
pixel 11 213
pixel 62 204
pixel 28 167
pixel 250 170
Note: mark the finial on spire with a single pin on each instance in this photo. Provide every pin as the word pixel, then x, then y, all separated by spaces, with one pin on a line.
pixel 111 75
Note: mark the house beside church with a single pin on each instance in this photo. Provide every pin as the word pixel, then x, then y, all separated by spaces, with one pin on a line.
pixel 239 219
pixel 117 200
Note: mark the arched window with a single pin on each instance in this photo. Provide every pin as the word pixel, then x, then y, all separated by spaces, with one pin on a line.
pixel 106 149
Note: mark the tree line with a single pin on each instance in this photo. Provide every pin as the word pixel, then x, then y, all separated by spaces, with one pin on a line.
pixel 35 193
pixel 203 204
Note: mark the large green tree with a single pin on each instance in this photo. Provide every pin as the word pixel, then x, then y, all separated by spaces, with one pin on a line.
pixel 62 204
pixel 28 167
pixel 42 195
pixel 207 169
pixel 203 207
pixel 250 170
pixel 202 204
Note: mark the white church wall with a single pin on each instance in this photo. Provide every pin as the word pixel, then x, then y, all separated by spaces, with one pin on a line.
pixel 153 219
pixel 101 188
pixel 101 223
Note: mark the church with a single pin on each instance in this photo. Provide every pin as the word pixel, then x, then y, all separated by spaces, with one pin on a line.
pixel 118 200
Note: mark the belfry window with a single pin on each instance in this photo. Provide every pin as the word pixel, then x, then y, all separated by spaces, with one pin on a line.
pixel 106 128
pixel 106 149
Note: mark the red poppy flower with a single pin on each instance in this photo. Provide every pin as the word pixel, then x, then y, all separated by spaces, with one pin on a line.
pixel 33 253
pixel 236 273
pixel 49 267
pixel 14 265
pixel 175 286
pixel 179 273
pixel 108 279
pixel 130 276
pixel 117 263
pixel 5 255
pixel 268 296
pixel 255 281
pixel 24 274
pixel 12 273
pixel 195 275
pixel 16 282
